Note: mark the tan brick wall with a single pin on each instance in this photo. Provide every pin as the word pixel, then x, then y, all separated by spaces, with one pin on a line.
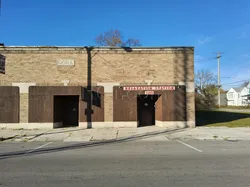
pixel 108 106
pixel 42 69
pixel 170 66
pixel 24 103
pixel 38 65
pixel 190 107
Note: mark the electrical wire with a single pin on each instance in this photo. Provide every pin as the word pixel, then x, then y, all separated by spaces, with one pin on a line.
pixel 205 60
pixel 236 82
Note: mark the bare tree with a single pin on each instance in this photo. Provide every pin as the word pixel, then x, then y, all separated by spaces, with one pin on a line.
pixel 114 38
pixel 204 78
pixel 131 42
pixel 205 83
pixel 109 38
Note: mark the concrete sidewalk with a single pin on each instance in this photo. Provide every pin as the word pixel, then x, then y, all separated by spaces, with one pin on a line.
pixel 151 133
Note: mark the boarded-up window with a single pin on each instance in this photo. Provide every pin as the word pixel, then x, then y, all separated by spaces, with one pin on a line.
pixel 2 64
pixel 95 99
pixel 9 104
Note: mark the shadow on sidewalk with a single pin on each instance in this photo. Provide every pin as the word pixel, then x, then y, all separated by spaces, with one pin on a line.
pixel 83 145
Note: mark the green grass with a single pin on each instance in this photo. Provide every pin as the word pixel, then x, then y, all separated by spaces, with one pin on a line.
pixel 214 118
pixel 233 124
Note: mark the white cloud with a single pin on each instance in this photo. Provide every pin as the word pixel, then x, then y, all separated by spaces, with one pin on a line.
pixel 204 40
pixel 198 58
pixel 245 55
pixel 242 32
pixel 243 35
pixel 243 75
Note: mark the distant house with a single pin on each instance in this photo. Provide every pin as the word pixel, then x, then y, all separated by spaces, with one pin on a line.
pixel 223 99
pixel 239 96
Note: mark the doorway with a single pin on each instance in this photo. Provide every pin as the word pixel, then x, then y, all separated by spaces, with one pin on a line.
pixel 66 111
pixel 146 109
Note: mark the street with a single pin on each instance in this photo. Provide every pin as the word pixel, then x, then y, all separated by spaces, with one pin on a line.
pixel 131 163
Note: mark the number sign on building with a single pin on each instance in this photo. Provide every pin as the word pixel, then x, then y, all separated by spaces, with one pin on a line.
pixel 149 92
pixel 66 62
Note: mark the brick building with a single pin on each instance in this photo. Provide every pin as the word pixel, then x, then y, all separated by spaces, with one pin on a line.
pixel 96 87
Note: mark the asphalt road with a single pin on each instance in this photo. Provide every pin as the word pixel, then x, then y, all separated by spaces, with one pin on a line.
pixel 135 163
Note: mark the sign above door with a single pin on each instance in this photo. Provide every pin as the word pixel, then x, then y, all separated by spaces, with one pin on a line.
pixel 149 88
pixel 149 92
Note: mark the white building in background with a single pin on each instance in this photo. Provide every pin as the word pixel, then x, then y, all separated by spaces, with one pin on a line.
pixel 239 96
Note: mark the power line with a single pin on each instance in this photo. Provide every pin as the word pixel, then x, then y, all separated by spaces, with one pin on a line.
pixel 218 53
pixel 237 82
pixel 205 60
pixel 233 85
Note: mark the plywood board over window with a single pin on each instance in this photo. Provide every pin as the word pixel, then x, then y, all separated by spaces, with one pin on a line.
pixel 2 64
pixel 9 104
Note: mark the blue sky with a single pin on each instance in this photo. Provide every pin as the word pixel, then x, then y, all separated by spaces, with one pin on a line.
pixel 211 26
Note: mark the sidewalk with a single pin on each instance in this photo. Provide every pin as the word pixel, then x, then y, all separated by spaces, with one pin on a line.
pixel 145 134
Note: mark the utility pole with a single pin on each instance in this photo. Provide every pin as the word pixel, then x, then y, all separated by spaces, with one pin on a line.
pixel 218 57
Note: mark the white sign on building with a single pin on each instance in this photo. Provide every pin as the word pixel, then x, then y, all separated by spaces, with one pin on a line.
pixel 65 62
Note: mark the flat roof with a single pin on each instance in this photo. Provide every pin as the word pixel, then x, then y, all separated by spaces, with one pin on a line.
pixel 104 47
pixel 151 47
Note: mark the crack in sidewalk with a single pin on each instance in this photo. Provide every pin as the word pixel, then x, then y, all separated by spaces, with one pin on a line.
pixel 117 133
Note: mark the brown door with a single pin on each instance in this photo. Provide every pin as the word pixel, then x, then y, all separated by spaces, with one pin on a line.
pixel 146 110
